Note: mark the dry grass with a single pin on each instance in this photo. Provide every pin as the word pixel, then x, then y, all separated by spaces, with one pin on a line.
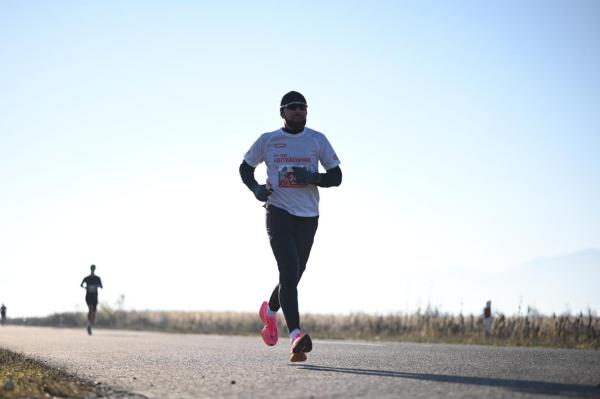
pixel 21 377
pixel 568 331
pixel 550 331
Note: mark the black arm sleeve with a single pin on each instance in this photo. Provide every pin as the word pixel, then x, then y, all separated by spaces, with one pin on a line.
pixel 247 174
pixel 333 177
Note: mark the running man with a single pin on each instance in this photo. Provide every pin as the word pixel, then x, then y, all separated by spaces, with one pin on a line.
pixel 3 314
pixel 292 155
pixel 92 283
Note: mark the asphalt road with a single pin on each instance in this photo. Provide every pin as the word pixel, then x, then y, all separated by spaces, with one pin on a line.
pixel 159 365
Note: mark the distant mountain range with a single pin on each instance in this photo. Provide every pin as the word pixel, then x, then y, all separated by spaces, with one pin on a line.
pixel 561 283
pixel 567 283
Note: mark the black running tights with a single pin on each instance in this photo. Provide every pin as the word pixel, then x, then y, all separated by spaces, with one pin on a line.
pixel 291 239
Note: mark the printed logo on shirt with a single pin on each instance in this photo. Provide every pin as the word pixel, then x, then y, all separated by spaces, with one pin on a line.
pixel 288 159
pixel 280 145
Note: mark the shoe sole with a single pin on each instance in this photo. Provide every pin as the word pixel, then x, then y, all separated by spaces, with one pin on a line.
pixel 298 357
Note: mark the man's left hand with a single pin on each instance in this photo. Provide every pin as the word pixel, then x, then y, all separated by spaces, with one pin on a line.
pixel 303 176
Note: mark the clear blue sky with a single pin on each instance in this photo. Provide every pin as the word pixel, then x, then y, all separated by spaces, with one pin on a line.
pixel 468 133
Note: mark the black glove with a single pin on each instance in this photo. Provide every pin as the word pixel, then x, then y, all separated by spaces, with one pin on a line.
pixel 261 192
pixel 303 176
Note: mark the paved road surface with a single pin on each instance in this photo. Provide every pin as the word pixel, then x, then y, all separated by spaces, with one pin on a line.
pixel 159 365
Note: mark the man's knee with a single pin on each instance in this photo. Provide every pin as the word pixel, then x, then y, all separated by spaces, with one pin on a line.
pixel 288 279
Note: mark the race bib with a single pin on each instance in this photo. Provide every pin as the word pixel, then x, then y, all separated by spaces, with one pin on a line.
pixel 287 177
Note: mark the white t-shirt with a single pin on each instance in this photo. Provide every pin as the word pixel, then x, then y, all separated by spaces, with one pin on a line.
pixel 282 151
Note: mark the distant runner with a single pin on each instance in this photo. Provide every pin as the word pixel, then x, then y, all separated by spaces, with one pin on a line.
pixel 292 155
pixel 92 283
pixel 3 313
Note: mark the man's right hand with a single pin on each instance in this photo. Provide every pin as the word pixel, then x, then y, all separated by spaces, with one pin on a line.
pixel 261 192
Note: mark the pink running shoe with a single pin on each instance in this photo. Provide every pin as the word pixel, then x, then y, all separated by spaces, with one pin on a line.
pixel 270 332
pixel 301 345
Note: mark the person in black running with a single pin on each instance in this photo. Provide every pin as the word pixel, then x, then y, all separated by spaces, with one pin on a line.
pixel 92 283
pixel 3 314
pixel 292 155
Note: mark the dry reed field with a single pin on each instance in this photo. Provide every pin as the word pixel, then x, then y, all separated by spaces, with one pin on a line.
pixel 560 331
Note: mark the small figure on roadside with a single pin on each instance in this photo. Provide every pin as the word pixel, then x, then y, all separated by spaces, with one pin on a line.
pixel 92 283
pixel 487 319
pixel 3 313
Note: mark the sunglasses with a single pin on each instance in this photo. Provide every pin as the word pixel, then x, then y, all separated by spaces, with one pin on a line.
pixel 295 106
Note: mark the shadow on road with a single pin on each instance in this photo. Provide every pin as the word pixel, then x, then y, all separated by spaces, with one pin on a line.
pixel 531 387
